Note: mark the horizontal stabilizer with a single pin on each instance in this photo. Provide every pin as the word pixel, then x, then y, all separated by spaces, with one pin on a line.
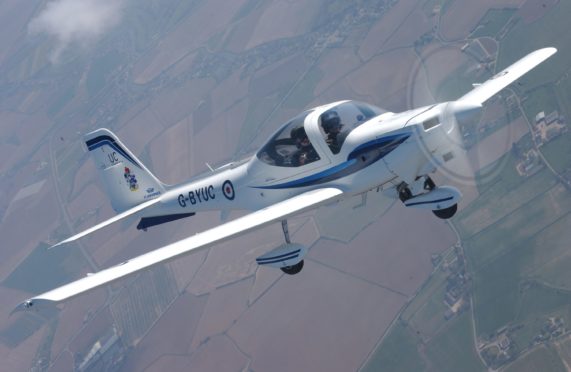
pixel 147 222
pixel 108 222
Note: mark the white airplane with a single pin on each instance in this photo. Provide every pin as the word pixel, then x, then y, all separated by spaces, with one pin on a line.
pixel 321 156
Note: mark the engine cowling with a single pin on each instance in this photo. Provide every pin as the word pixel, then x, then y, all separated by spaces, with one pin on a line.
pixel 285 255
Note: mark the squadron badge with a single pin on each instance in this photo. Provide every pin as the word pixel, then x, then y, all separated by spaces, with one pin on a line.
pixel 131 180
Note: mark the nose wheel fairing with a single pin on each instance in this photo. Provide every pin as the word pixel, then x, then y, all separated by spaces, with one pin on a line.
pixel 424 194
pixel 287 257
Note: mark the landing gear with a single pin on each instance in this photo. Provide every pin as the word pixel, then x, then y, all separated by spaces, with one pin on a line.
pixel 293 269
pixel 446 213
pixel 404 192
pixel 423 193
pixel 429 184
pixel 285 229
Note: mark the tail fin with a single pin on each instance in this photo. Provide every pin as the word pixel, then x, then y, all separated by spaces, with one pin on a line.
pixel 127 181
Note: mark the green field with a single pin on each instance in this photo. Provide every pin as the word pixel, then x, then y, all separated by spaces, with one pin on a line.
pixel 496 293
pixel 493 205
pixel 537 303
pixel 514 250
pixel 542 98
pixel 540 359
pixel 514 230
pixel 434 287
pixel 556 272
pixel 43 270
pixel 398 352
pixel 554 266
pixel 453 349
pixel 425 313
pixel 563 93
pixel 430 317
pixel 550 30
pixel 500 197
pixel 448 345
pixel 500 177
pixel 492 22
pixel 539 300
pixel 558 152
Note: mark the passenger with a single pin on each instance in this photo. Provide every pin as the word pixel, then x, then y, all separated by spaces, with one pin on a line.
pixel 305 153
pixel 331 123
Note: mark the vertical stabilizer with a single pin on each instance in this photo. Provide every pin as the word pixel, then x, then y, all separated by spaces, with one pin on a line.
pixel 127 181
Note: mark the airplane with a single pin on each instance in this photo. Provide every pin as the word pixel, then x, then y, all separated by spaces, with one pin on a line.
pixel 324 155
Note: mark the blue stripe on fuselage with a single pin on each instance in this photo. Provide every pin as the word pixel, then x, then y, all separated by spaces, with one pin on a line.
pixel 383 142
pixel 358 159
pixel 328 174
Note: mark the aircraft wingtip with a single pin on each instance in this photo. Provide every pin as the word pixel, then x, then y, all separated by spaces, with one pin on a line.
pixel 551 50
pixel 544 52
pixel 24 306
pixel 34 304
pixel 548 52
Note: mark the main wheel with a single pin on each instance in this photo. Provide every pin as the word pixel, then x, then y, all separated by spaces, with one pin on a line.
pixel 293 269
pixel 447 212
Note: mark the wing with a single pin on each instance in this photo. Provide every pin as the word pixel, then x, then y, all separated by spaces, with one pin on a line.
pixel 507 76
pixel 239 226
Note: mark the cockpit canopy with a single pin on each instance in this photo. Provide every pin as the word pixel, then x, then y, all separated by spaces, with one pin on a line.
pixel 336 123
pixel 292 147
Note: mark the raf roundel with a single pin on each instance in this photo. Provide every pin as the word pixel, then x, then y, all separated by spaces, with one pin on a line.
pixel 228 190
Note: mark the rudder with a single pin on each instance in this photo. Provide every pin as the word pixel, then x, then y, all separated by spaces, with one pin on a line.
pixel 127 181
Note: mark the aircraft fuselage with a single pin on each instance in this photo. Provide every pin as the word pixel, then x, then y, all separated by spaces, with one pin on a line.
pixel 381 153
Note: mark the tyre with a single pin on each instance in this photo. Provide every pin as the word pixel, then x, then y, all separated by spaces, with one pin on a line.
pixel 293 269
pixel 447 212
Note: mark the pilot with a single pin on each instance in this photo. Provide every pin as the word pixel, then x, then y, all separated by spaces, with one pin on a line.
pixel 331 123
pixel 305 153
